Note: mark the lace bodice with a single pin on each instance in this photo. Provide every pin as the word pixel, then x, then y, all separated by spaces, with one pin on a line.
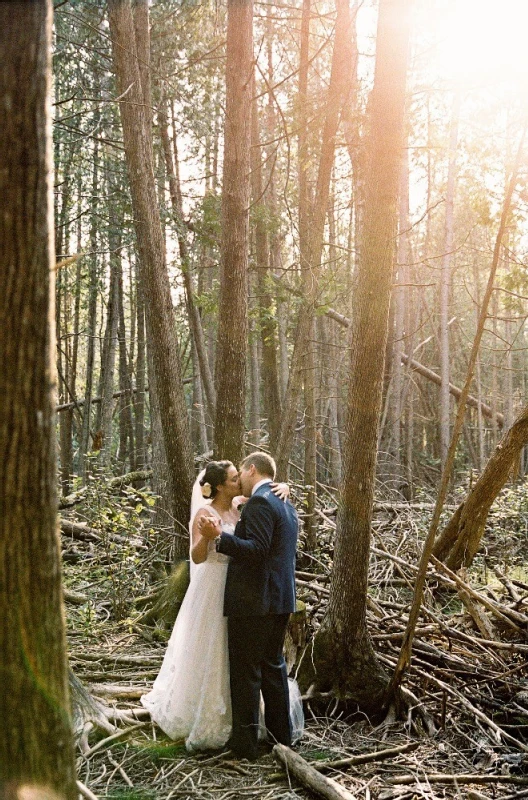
pixel 212 555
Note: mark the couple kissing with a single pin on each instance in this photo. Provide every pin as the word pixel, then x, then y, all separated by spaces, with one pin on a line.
pixel 224 679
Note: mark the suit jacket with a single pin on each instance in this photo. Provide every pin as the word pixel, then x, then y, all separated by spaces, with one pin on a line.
pixel 261 573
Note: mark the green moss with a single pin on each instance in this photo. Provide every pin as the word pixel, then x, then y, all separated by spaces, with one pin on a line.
pixel 319 754
pixel 158 751
pixel 154 752
pixel 131 794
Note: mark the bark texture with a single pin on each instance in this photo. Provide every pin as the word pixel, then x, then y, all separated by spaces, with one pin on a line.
pixel 231 352
pixel 36 745
pixel 153 273
pixel 460 540
pixel 344 659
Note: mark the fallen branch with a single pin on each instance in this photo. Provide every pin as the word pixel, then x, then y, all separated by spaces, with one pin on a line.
pixel 81 531
pixel 104 743
pixel 85 791
pixel 506 615
pixel 310 777
pixel 365 758
pixel 442 777
pixel 75 598
pixel 422 370
pixel 114 483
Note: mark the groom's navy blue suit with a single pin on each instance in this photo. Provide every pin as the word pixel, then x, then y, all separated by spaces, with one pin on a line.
pixel 259 597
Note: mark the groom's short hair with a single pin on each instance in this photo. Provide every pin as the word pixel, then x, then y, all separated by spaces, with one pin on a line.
pixel 263 463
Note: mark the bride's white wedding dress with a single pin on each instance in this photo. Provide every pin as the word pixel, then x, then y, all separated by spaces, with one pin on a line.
pixel 190 698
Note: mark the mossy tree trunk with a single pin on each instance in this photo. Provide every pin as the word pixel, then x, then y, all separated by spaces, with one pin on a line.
pixel 36 743
pixel 343 656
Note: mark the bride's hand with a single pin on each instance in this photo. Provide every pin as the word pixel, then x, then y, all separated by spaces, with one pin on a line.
pixel 282 490
pixel 209 527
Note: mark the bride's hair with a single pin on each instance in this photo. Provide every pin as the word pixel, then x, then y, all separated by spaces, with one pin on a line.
pixel 215 474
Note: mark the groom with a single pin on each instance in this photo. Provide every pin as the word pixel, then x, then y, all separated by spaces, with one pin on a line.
pixel 259 597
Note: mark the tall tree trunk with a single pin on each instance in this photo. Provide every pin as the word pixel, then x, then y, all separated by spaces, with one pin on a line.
pixel 126 428
pixel 307 276
pixel 61 314
pixel 84 445
pixel 342 653
pixel 445 281
pixel 399 299
pixel 254 369
pixel 139 397
pixel 231 350
pixel 36 742
pixel 107 389
pixel 193 314
pixel 267 325
pixel 154 279
pixel 338 92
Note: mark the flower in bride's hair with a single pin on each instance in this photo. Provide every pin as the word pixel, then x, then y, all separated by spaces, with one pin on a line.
pixel 206 490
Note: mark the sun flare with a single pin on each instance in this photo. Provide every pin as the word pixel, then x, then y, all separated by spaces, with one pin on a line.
pixel 485 41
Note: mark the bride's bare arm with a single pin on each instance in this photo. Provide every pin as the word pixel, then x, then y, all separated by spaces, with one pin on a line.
pixel 199 543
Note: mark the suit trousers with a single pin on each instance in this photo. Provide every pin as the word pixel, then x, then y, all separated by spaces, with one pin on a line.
pixel 256 664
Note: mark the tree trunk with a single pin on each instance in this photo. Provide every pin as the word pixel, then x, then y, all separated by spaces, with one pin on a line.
pixel 36 743
pixel 193 314
pixel 231 351
pixel 126 428
pixel 343 655
pixel 139 397
pixel 399 300
pixel 267 324
pixel 62 317
pixel 338 92
pixel 84 445
pixel 445 281
pixel 460 540
pixel 107 398
pixel 307 277
pixel 154 279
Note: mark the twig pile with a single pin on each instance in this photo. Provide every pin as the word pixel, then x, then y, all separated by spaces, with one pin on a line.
pixel 467 689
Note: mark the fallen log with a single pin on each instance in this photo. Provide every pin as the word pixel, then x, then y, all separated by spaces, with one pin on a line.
pixel 75 598
pixel 123 692
pixel 114 483
pixel 81 531
pixel 308 776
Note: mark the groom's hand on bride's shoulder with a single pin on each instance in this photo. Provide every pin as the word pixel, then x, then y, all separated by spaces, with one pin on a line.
pixel 209 527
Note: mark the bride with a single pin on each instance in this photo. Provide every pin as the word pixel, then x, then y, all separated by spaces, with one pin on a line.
pixel 191 698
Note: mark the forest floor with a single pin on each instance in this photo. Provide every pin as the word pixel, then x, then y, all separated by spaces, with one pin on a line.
pixel 465 733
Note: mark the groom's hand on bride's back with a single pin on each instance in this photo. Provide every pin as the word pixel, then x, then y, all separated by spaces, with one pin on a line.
pixel 209 527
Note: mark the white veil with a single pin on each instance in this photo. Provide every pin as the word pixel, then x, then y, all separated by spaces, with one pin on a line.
pixel 198 501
